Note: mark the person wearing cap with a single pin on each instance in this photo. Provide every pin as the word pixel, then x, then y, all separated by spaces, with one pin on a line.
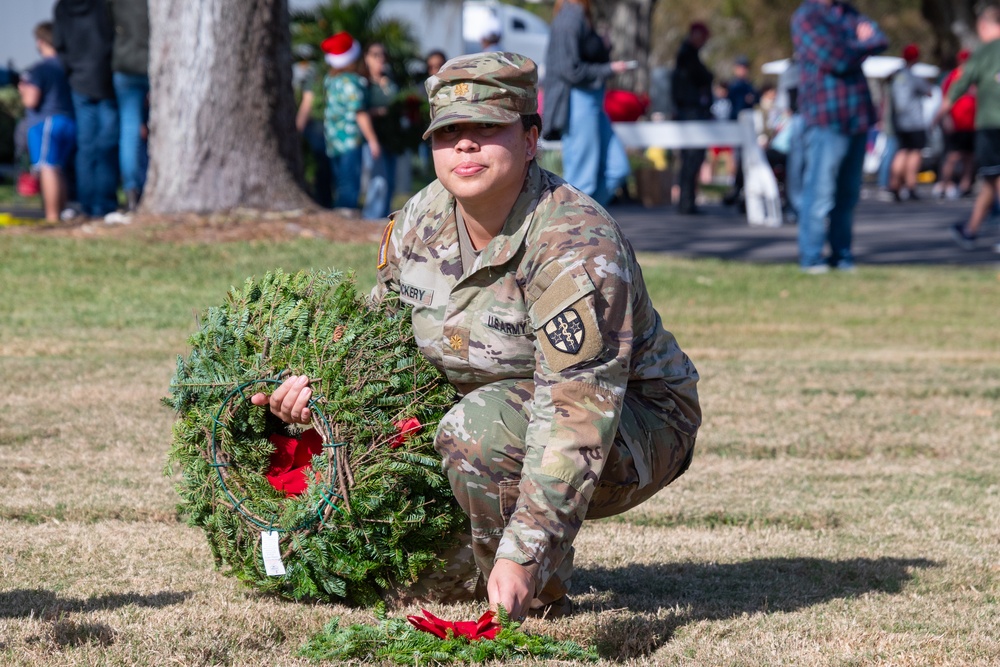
pixel 908 92
pixel 576 403
pixel 831 41
pixel 346 122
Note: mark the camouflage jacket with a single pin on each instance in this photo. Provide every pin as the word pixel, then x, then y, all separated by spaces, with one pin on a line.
pixel 557 296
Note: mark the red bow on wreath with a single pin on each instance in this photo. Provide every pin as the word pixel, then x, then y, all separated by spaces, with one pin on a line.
pixel 484 628
pixel 406 428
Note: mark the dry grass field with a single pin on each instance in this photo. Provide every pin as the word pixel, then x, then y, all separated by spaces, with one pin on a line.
pixel 843 507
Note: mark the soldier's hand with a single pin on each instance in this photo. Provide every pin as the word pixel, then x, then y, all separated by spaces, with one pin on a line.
pixel 512 586
pixel 289 401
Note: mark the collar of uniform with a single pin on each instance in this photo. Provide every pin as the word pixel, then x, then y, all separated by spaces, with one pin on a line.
pixel 509 240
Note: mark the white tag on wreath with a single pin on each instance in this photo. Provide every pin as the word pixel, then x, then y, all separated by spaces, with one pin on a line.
pixel 271 552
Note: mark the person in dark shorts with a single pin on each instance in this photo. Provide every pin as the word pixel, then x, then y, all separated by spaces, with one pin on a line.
pixel 983 71
pixel 908 92
pixel 51 130
pixel 959 138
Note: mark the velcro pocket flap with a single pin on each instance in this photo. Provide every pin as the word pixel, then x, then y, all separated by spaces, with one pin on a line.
pixel 565 289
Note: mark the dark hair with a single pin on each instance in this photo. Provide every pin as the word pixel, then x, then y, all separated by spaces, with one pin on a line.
pixel 43 33
pixel 436 52
pixel 531 120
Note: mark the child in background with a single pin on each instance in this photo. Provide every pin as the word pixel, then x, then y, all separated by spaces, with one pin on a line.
pixel 346 121
pixel 47 98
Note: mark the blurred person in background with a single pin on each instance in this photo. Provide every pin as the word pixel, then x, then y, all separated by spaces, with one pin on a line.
pixel 741 95
pixel 831 41
pixel 382 90
pixel 578 61
pixel 130 67
pixel 84 39
pixel 346 121
pixel 983 71
pixel 308 84
pixel 959 127
pixel 51 131
pixel 908 92
pixel 691 88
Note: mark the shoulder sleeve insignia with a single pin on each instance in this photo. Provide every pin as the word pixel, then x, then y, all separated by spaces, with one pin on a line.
pixel 383 248
pixel 565 332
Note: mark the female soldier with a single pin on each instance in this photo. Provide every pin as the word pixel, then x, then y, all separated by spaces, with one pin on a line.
pixel 576 402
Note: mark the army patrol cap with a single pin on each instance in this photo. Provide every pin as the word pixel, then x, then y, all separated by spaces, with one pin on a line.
pixel 482 88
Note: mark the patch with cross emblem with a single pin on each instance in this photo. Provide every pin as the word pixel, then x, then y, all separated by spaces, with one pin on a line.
pixel 571 337
pixel 565 331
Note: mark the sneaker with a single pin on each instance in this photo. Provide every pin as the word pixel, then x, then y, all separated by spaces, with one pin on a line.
pixel 117 218
pixel 951 192
pixel 939 191
pixel 964 240
pixel 816 269
pixel 846 267
pixel 69 214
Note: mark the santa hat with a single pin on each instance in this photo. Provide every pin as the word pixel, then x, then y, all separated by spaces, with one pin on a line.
pixel 341 50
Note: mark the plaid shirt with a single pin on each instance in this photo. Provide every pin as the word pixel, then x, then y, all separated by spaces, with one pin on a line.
pixel 833 91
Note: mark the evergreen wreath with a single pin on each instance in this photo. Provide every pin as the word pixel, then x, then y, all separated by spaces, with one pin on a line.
pixel 377 509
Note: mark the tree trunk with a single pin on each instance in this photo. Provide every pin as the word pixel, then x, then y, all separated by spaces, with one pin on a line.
pixel 627 24
pixel 222 112
pixel 954 26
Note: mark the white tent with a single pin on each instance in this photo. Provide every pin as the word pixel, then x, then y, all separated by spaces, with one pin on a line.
pixel 874 67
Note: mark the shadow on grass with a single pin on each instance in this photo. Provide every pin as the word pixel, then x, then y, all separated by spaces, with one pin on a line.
pixel 22 603
pixel 711 591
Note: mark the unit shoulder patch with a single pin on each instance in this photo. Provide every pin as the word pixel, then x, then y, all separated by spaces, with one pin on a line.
pixel 571 337
pixel 565 332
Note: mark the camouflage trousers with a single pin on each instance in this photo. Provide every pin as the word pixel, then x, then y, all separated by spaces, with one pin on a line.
pixel 481 441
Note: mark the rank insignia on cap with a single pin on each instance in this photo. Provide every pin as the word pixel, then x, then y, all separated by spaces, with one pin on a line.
pixel 455 342
pixel 565 331
pixel 462 89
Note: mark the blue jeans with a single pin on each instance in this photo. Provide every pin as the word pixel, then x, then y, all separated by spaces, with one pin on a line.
pixel 346 178
pixel 594 159
pixel 832 188
pixel 381 184
pixel 96 154
pixel 795 167
pixel 132 92
pixel 322 179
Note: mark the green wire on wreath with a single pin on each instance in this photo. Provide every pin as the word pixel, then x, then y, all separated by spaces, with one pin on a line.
pixel 375 510
pixel 328 492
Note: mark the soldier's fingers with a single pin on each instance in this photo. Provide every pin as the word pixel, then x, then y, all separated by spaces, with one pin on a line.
pixel 295 397
pixel 299 412
pixel 279 394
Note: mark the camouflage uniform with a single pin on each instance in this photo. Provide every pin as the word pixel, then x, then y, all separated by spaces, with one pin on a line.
pixel 576 402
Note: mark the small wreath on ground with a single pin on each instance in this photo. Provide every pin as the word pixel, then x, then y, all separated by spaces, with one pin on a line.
pixel 349 510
